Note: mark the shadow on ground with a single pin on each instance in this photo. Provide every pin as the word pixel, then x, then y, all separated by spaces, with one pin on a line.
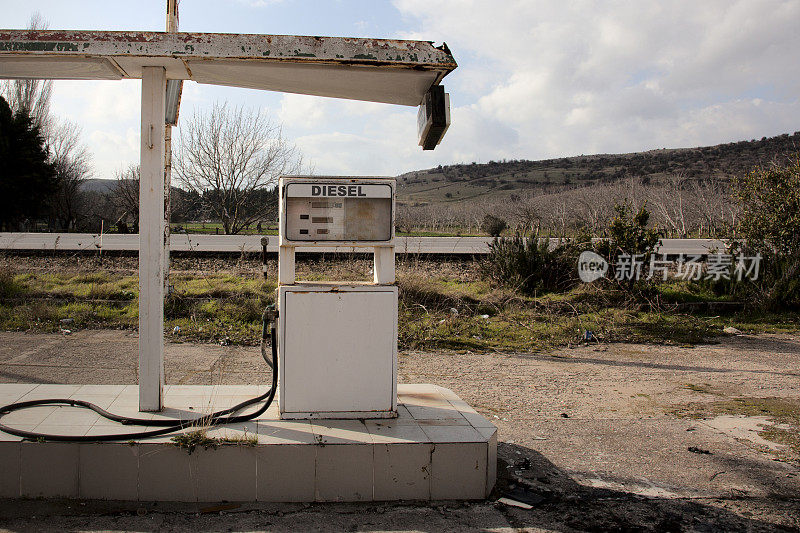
pixel 562 504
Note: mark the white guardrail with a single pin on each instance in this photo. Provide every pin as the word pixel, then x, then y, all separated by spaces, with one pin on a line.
pixel 182 242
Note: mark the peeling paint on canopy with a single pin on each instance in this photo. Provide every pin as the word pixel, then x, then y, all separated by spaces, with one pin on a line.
pixel 379 70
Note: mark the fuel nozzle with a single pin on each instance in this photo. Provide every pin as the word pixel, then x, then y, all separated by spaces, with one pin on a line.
pixel 268 320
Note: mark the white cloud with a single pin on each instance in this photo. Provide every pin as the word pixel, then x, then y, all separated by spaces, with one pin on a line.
pixel 301 111
pixel 536 79
pixel 109 114
pixel 579 77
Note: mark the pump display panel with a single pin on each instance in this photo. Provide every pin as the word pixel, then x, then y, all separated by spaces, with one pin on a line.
pixel 338 211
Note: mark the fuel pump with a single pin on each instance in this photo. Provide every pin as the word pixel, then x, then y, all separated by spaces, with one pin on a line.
pixel 337 346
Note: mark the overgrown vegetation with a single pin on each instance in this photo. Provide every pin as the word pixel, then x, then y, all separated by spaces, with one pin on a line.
pixel 532 264
pixel 770 229
pixel 443 305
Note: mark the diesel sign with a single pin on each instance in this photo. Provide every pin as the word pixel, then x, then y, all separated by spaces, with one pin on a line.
pixel 336 190
pixel 347 189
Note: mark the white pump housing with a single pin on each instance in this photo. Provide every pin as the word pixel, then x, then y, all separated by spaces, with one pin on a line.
pixel 337 344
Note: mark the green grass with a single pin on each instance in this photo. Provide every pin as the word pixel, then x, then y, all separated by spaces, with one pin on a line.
pixel 441 307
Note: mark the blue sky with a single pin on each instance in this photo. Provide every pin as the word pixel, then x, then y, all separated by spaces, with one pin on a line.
pixel 536 79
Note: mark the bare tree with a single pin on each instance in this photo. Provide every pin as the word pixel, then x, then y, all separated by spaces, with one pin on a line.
pixel 229 155
pixel 72 164
pixel 31 96
pixel 125 197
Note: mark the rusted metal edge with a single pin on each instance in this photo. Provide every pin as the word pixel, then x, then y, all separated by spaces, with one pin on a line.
pixel 420 55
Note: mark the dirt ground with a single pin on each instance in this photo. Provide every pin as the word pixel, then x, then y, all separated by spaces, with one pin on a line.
pixel 597 437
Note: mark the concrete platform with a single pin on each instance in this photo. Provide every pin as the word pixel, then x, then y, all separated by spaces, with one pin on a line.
pixel 439 448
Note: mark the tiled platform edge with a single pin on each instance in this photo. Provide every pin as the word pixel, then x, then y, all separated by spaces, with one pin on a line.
pixel 438 448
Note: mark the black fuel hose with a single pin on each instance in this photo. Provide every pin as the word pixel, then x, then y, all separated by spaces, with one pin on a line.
pixel 170 426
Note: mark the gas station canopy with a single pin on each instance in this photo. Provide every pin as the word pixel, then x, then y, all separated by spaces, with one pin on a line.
pixel 375 70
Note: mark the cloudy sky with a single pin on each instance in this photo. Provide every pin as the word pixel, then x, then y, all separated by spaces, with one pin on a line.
pixel 536 79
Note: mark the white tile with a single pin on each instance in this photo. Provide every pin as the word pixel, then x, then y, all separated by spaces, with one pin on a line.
pixel 285 432
pixel 48 390
pixel 9 469
pixel 67 415
pixel 8 437
pixel 118 429
pixel 491 457
pixel 31 416
pixel 444 422
pixel 344 473
pixel 390 432
pixel 174 413
pixel 402 471
pixel 97 390
pixel 340 432
pixel 461 405
pixel 444 434
pixel 165 474
pixel 101 401
pixel 458 471
pixel 248 391
pixel 17 389
pixel 241 432
pixel 48 469
pixel 286 472
pixel 447 393
pixel 63 429
pixel 108 471
pixel 477 420
pixel 413 388
pixel 225 473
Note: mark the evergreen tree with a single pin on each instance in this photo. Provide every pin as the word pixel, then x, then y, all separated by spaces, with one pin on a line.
pixel 27 179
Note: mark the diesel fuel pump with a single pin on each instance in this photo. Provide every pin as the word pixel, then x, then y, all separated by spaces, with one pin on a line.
pixel 337 346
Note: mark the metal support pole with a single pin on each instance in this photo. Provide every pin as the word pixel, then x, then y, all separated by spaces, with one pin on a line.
pixel 171 27
pixel 151 241
pixel 384 273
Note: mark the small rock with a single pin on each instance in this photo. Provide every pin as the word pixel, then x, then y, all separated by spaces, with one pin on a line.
pixel 732 331
pixel 67 320
pixel 701 451
pixel 523 464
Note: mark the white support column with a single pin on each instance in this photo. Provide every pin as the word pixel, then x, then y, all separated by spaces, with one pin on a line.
pixel 286 274
pixel 384 265
pixel 151 241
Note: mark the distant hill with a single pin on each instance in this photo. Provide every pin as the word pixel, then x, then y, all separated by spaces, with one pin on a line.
pixel 456 183
pixel 98 185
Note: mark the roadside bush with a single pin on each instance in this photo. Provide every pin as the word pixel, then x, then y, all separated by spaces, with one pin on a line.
pixel 629 234
pixel 769 226
pixel 493 225
pixel 529 264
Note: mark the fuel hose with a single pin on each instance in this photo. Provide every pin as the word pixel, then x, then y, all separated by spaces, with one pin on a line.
pixel 225 416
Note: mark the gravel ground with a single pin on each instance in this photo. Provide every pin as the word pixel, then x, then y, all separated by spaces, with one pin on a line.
pixel 590 435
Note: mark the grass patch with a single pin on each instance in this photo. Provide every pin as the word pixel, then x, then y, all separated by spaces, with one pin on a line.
pixel 190 440
pixel 784 412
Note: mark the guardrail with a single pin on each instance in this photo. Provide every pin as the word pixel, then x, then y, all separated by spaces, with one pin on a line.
pixel 182 242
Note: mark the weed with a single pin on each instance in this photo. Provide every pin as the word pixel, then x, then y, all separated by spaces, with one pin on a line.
pixel 9 285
